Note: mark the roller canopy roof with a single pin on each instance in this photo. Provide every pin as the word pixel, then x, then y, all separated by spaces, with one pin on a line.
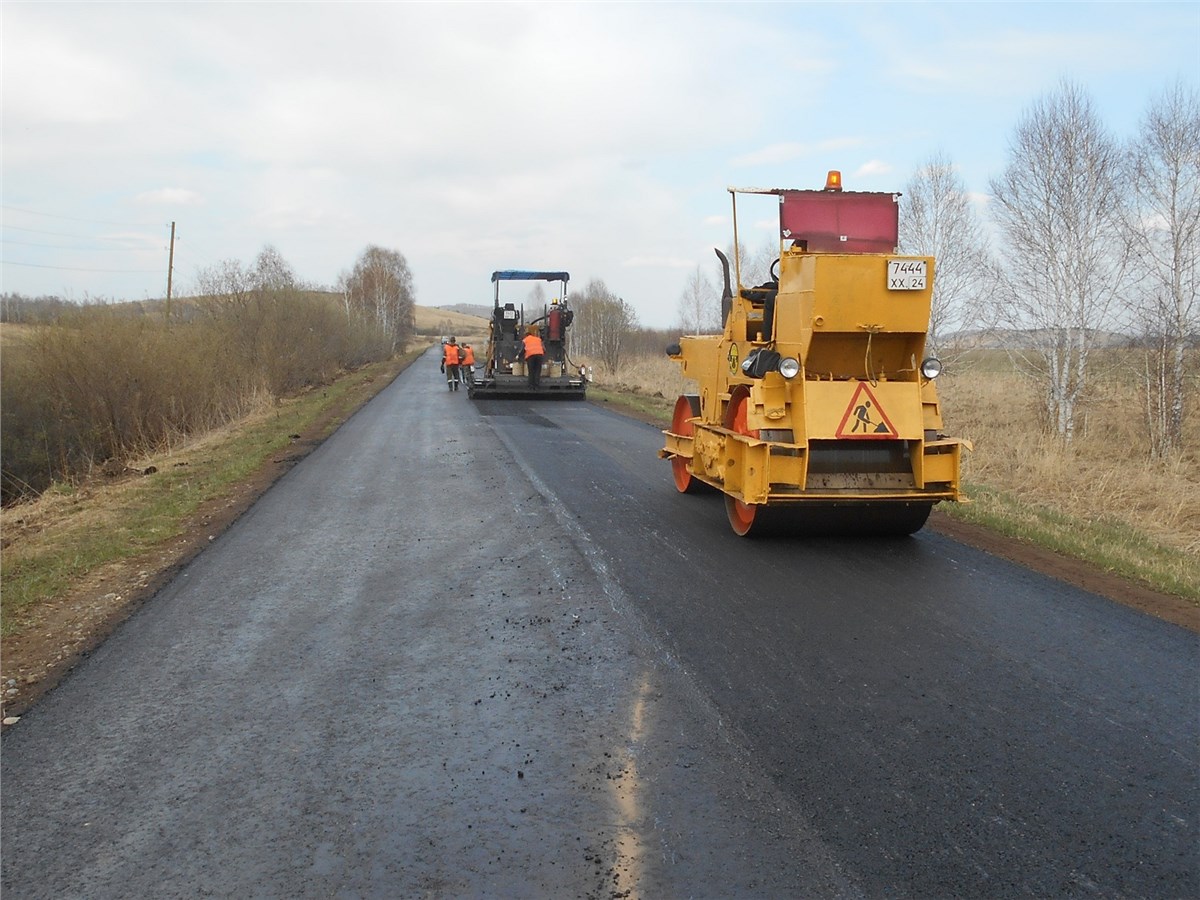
pixel 520 275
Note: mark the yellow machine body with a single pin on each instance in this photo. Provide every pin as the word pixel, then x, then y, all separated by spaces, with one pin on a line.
pixel 852 440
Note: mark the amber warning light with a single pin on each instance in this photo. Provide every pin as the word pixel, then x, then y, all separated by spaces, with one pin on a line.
pixel 833 181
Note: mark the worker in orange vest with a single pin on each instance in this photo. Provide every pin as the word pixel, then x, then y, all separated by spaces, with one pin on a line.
pixel 533 352
pixel 466 366
pixel 450 361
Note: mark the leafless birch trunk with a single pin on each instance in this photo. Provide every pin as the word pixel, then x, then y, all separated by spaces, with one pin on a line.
pixel 1164 232
pixel 1059 206
pixel 699 305
pixel 379 290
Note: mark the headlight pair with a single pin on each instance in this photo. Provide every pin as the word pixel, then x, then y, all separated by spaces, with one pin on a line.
pixel 761 361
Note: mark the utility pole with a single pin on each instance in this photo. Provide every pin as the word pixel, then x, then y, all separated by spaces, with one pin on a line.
pixel 170 272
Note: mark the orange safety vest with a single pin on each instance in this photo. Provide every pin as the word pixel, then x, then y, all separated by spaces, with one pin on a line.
pixel 533 346
pixel 451 351
pixel 468 358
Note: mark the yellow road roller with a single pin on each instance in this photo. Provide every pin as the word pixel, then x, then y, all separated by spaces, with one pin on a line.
pixel 816 411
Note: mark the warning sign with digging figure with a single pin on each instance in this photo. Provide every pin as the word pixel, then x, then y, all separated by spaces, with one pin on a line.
pixel 865 418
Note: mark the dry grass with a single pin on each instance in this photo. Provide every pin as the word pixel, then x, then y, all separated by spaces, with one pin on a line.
pixel 431 320
pixel 13 334
pixel 653 375
pixel 1105 474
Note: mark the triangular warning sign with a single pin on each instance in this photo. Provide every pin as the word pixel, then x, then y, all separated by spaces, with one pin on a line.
pixel 865 419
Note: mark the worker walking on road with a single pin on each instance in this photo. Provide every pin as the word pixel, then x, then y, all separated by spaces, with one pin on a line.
pixel 451 357
pixel 533 352
pixel 466 367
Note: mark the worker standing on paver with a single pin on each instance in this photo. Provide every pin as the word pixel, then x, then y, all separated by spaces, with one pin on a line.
pixel 533 351
pixel 451 357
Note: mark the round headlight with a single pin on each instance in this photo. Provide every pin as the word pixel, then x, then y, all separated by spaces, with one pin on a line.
pixel 789 368
pixel 931 368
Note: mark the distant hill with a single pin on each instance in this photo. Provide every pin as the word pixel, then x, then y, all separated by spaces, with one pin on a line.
pixel 469 309
pixel 446 320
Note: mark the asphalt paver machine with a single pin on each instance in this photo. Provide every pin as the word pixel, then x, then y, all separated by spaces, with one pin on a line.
pixel 504 374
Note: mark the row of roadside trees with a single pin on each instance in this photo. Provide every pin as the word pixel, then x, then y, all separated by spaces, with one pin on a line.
pixel 108 382
pixel 1099 236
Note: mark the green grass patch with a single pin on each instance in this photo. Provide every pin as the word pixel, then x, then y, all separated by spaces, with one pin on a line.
pixel 1110 545
pixel 94 529
pixel 639 405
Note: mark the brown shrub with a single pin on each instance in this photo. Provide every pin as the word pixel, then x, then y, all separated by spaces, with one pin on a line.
pixel 101 384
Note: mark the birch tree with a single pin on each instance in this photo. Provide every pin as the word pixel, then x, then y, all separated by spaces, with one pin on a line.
pixel 699 307
pixel 1058 206
pixel 1164 232
pixel 602 323
pixel 379 290
pixel 938 220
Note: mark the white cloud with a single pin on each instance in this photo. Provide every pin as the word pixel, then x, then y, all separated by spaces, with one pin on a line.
pixel 169 197
pixel 658 262
pixel 779 153
pixel 873 167
pixel 55 78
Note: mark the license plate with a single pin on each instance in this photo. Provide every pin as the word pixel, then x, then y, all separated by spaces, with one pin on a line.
pixel 906 274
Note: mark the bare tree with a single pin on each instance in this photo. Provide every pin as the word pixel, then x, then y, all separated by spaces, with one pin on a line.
pixel 756 264
pixel 753 264
pixel 224 284
pixel 602 322
pixel 247 301
pixel 937 219
pixel 272 272
pixel 699 305
pixel 380 290
pixel 1059 207
pixel 1164 232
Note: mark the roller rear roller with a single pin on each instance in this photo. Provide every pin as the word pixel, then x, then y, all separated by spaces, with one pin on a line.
pixel 819 520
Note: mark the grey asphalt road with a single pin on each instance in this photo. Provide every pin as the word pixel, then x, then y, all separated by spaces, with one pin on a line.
pixel 485 649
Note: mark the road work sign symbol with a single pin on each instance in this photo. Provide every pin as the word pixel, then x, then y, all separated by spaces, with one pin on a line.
pixel 865 418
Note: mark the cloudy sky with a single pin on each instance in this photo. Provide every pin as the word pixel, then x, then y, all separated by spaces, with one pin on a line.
pixel 598 138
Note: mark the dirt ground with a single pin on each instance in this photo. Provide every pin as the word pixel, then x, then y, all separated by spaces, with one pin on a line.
pixel 63 632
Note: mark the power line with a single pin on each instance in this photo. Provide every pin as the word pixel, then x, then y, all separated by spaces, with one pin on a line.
pixel 74 269
pixel 84 249
pixel 91 237
pixel 33 212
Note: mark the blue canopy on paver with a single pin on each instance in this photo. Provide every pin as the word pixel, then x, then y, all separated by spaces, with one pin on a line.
pixel 522 275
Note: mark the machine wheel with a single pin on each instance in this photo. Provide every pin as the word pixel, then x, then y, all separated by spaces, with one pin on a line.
pixel 686 407
pixel 744 518
pixel 741 515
